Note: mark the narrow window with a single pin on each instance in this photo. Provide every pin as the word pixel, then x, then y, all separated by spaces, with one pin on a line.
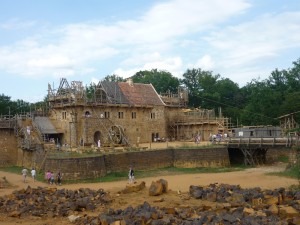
pixel 121 115
pixel 152 115
pixel 133 115
pixel 87 114
pixel 64 115
pixel 106 114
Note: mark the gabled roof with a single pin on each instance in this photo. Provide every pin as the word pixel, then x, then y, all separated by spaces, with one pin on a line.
pixel 131 93
pixel 140 94
pixel 114 93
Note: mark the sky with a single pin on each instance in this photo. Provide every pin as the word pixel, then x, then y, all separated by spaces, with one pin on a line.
pixel 44 41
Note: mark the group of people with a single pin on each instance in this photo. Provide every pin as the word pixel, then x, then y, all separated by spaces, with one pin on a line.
pixel 49 176
pixel 218 137
pixel 24 174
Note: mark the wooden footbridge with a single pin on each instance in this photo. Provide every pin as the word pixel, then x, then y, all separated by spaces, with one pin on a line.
pixel 254 149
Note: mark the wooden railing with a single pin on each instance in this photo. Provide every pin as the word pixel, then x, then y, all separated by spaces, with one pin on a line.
pixel 261 142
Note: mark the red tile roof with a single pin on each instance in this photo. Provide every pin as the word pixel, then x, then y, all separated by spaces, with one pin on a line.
pixel 140 94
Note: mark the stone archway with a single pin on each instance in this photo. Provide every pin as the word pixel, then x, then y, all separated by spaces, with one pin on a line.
pixel 97 136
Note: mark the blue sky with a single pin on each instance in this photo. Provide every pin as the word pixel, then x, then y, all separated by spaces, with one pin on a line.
pixel 43 41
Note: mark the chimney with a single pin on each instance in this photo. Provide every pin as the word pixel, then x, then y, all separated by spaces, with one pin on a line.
pixel 130 82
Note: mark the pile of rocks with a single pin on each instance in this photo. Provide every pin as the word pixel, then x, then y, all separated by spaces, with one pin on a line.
pixel 51 202
pixel 218 204
pixel 233 205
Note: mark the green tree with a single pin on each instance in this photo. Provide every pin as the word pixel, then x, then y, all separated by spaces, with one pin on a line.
pixel 202 87
pixel 5 104
pixel 293 77
pixel 162 81
pixel 114 78
pixel 261 106
pixel 230 98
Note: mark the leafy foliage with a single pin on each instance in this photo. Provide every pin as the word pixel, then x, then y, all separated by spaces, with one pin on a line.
pixel 114 78
pixel 162 81
pixel 257 103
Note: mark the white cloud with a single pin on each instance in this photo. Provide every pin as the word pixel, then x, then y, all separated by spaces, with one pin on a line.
pixel 16 24
pixel 243 52
pixel 179 17
pixel 205 63
pixel 95 80
pixel 73 48
pixel 54 61
pixel 126 73
pixel 260 39
pixel 172 65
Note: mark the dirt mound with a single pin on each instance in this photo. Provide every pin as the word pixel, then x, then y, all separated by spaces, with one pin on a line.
pixel 4 183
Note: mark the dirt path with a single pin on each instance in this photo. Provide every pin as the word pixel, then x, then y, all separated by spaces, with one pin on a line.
pixel 254 177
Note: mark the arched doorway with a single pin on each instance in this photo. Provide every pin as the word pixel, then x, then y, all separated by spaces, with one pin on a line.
pixel 97 136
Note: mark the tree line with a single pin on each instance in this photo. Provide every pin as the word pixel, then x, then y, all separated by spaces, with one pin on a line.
pixel 259 102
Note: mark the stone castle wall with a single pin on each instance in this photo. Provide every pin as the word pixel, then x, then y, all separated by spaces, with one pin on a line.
pixel 92 167
pixel 192 158
pixel 274 153
pixel 136 121
pixel 8 148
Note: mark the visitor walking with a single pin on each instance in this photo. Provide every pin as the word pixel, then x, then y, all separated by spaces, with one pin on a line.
pixel 59 178
pixel 197 139
pixel 99 144
pixel 52 178
pixel 48 176
pixel 24 174
pixel 131 175
pixel 33 174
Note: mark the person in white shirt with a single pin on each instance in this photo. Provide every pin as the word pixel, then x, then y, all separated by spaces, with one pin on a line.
pixel 33 174
pixel 24 174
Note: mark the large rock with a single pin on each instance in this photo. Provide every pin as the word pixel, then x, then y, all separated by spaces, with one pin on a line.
pixel 287 211
pixel 156 188
pixel 271 200
pixel 134 187
pixel 196 191
pixel 273 209
pixel 164 184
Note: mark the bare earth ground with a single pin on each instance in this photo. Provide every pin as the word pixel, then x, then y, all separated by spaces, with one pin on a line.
pixel 254 177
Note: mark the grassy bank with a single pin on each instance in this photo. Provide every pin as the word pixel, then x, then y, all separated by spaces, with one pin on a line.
pixel 292 170
pixel 17 170
pixel 118 176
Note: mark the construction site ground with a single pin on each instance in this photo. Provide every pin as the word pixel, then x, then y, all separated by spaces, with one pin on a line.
pixel 252 177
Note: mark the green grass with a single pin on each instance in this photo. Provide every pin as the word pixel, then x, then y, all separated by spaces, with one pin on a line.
pixel 17 170
pixel 283 158
pixel 292 171
pixel 158 172
pixel 118 176
pixel 12 169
